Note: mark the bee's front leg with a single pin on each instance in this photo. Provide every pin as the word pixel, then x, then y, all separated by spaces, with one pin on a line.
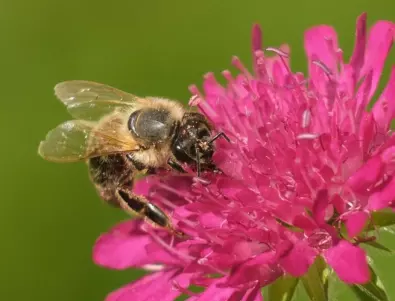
pixel 140 166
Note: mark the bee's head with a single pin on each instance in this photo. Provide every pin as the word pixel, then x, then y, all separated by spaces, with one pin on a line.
pixel 192 140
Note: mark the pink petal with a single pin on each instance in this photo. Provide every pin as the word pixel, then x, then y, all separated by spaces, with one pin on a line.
pixel 210 220
pixel 384 109
pixel 321 43
pixel 355 222
pixel 364 94
pixel 367 175
pixel 217 292
pixel 229 187
pixel 299 259
pixel 304 222
pixel 143 186
pixel 358 56
pixel 388 155
pixel 320 206
pixel 242 250
pixel 125 246
pixel 122 247
pixel 253 294
pixel 213 292
pixel 256 38
pixel 349 262
pixel 212 87
pixel 367 131
pixel 261 268
pixel 339 204
pixel 380 40
pixel 383 198
pixel 157 286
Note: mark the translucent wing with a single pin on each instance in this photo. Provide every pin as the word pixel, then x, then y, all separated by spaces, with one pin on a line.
pixel 77 140
pixel 90 101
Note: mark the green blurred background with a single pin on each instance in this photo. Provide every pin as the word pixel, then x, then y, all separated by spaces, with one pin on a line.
pixel 50 215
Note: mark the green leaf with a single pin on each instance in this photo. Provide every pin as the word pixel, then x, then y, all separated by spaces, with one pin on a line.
pixel 379 246
pixel 283 288
pixel 372 291
pixel 382 218
pixel 315 281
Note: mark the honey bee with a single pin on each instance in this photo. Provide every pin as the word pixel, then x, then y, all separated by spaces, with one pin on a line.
pixel 121 136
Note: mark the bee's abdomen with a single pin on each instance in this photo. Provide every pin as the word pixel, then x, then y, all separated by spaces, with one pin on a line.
pixel 108 173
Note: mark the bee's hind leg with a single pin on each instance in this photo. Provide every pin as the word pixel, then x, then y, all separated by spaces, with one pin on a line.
pixel 137 204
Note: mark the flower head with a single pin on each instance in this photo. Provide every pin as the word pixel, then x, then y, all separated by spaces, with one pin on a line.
pixel 305 158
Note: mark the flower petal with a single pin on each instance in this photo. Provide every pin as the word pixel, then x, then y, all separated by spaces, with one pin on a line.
pixel 125 246
pixel 349 262
pixel 262 268
pixel 367 175
pixel 213 292
pixel 298 260
pixel 381 37
pixel 384 109
pixel 321 43
pixel 363 95
pixel 256 38
pixel 358 55
pixel 355 222
pixel 304 222
pixel 217 292
pixel 142 186
pixel 156 286
pixel 383 198
pixel 320 205
pixel 122 247
pixel 253 294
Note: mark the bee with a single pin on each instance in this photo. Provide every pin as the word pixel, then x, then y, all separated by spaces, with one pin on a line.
pixel 122 136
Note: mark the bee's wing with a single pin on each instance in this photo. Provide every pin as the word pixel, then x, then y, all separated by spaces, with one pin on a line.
pixel 76 140
pixel 90 101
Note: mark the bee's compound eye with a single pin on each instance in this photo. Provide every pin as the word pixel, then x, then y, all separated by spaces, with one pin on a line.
pixel 203 132
pixel 152 125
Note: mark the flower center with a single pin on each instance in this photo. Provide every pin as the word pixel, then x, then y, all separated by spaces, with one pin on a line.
pixel 320 239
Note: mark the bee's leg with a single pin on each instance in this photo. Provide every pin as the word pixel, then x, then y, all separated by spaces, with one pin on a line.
pixel 197 160
pixel 175 165
pixel 140 166
pixel 219 135
pixel 136 204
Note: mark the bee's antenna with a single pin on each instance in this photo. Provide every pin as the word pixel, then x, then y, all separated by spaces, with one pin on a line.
pixel 221 134
pixel 197 160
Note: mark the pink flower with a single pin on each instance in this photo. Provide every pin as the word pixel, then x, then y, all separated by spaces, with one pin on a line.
pixel 305 156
